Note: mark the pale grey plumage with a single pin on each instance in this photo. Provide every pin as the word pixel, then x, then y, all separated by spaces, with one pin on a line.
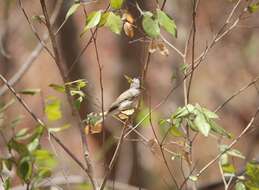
pixel 127 99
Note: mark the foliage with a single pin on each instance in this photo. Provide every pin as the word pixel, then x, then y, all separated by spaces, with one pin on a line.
pixel 197 118
pixel 32 163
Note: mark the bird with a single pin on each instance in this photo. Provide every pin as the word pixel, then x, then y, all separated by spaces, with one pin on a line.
pixel 125 101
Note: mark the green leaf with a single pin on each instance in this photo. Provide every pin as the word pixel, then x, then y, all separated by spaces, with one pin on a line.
pixel 8 163
pixel 7 184
pixel 16 121
pixel 219 130
pixel 57 87
pixel 150 26
pixel 92 20
pixel 114 23
pixel 223 159
pixel 30 91
pixel 25 169
pixel 231 152
pixel 78 102
pixel 253 7
pixel 183 112
pixel 209 114
pixel 240 186
pixel 44 173
pixel 5 106
pixel 202 124
pixel 72 10
pixel 77 92
pixel 103 19
pixel 166 22
pixel 44 159
pixel 193 178
pixel 252 171
pixel 58 129
pixel 18 147
pixel 141 115
pixel 116 4
pixel 52 109
pixel 175 131
pixel 22 132
pixel 228 168
pixel 33 145
pixel 79 82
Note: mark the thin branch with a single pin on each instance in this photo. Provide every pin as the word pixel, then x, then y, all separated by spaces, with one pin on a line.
pixel 222 32
pixel 193 48
pixel 161 148
pixel 251 83
pixel 172 46
pixel 62 72
pixel 84 49
pixel 33 55
pixel 114 158
pixel 34 30
pixel 100 81
pixel 198 61
pixel 234 142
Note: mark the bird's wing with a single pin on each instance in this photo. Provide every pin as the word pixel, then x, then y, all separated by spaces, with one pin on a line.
pixel 124 96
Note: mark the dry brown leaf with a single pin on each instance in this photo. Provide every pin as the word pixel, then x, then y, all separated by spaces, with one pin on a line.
pixel 152 47
pixel 128 17
pixel 128 29
pixel 93 129
pixel 163 49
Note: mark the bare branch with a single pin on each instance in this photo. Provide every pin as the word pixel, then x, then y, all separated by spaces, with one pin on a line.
pixel 33 55
pixel 237 93
pixel 62 71
pixel 114 158
pixel 34 30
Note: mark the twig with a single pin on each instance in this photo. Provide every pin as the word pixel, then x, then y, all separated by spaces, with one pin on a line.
pixel 237 93
pixel 198 61
pixel 235 141
pixel 161 148
pixel 114 158
pixel 221 33
pixel 34 30
pixel 33 55
pixel 85 48
pixel 194 13
pixel 101 82
pixel 69 97
pixel 172 46
pixel 163 5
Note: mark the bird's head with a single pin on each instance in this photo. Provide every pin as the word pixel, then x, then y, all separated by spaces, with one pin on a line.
pixel 135 83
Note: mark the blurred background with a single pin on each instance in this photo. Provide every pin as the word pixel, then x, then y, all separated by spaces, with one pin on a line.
pixel 231 64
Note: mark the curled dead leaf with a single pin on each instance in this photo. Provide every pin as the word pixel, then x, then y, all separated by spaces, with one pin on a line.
pixel 128 29
pixel 163 49
pixel 127 17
